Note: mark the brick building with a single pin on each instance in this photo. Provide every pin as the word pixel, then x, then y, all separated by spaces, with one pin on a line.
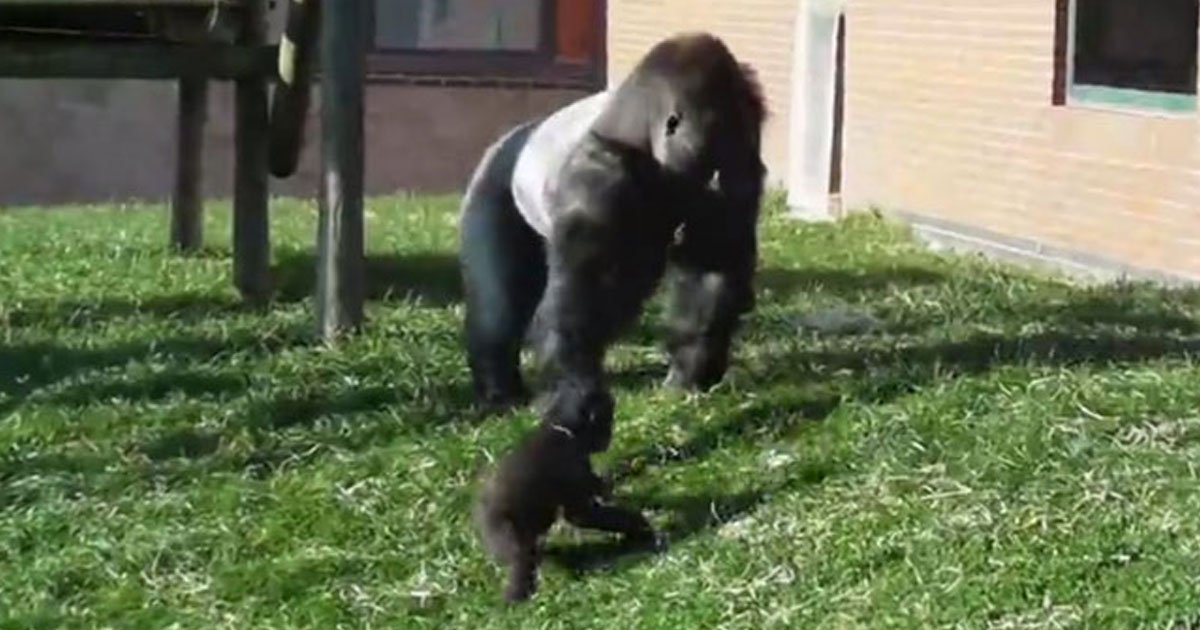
pixel 1057 130
pixel 1060 130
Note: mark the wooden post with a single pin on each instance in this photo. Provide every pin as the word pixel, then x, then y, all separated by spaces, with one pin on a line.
pixel 251 222
pixel 340 266
pixel 187 203
pixel 289 104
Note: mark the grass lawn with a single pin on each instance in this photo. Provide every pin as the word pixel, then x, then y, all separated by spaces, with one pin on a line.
pixel 1004 450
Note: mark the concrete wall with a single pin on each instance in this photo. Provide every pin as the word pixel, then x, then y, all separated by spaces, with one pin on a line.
pixel 87 141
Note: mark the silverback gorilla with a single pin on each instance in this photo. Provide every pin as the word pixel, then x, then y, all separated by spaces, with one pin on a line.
pixel 569 222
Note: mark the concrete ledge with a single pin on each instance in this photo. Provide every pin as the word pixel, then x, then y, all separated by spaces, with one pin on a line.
pixel 808 214
pixel 825 211
pixel 940 234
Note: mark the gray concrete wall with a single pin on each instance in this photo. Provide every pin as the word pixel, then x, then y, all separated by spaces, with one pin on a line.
pixel 91 141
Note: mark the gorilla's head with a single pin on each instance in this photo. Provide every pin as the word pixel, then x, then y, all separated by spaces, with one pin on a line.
pixel 690 104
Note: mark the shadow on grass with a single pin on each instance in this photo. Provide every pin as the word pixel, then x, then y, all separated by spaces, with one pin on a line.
pixel 845 283
pixel 433 278
pixel 154 387
pixel 877 372
pixel 877 376
pixel 688 515
pixel 1140 308
pixel 26 368
pixel 287 412
pixel 983 352
pixel 881 375
pixel 79 313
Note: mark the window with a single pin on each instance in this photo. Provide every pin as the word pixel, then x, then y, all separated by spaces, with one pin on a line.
pixel 462 25
pixel 553 40
pixel 1139 54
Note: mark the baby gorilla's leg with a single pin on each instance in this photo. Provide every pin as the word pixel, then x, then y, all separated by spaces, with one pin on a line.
pixel 522 573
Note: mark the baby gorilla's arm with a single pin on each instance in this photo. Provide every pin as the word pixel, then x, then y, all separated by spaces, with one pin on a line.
pixel 591 514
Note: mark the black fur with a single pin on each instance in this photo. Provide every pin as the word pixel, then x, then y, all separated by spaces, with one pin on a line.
pixel 677 146
pixel 551 471
pixel 504 272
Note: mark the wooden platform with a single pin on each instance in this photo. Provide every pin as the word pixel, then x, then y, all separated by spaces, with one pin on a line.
pixel 197 41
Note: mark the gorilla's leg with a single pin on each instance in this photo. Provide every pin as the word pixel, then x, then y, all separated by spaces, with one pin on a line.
pixel 504 274
pixel 713 272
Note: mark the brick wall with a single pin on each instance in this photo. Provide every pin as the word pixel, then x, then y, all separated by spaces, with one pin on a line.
pixel 949 120
pixel 89 141
pixel 758 32
pixel 949 116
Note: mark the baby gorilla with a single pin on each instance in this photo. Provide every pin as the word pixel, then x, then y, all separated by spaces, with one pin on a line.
pixel 549 471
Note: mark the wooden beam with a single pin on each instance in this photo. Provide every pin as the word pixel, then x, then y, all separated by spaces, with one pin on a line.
pixel 94 60
pixel 293 90
pixel 187 203
pixel 340 266
pixel 251 221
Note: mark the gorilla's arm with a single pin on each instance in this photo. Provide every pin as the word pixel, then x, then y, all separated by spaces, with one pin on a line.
pixel 713 274
pixel 606 252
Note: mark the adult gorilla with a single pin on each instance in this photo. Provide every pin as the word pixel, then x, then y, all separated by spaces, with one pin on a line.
pixel 576 217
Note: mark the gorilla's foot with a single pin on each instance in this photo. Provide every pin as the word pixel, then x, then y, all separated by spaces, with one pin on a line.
pixel 500 400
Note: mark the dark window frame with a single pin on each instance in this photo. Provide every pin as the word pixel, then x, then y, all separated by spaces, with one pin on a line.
pixel 539 67
pixel 1067 92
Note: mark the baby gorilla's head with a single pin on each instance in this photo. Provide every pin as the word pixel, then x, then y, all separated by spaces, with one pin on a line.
pixel 582 409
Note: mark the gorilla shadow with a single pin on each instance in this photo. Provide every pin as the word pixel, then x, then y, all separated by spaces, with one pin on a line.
pixel 691 515
pixel 432 277
pixel 688 516
pixel 773 417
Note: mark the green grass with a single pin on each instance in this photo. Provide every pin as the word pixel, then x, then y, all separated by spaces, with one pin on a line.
pixel 1005 451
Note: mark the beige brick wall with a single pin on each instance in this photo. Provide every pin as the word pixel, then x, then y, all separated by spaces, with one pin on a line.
pixel 949 115
pixel 758 32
